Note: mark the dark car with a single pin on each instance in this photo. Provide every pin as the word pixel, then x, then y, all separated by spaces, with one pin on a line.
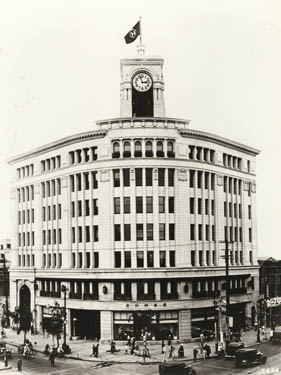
pixel 232 347
pixel 276 338
pixel 176 369
pixel 247 357
pixel 195 331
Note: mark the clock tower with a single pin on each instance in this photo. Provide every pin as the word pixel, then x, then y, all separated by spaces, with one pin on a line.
pixel 142 86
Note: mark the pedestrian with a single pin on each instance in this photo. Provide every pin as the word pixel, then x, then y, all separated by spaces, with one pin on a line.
pixel 6 359
pixel 32 330
pixel 43 332
pixel 133 345
pixel 169 339
pixel 256 326
pixel 202 338
pixel 162 346
pixel 19 364
pixel 97 351
pixel 164 359
pixel 144 352
pixel 181 351
pixel 207 348
pixel 52 358
pixel 172 351
pixel 195 352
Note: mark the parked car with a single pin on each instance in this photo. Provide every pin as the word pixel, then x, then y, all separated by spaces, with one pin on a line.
pixel 206 332
pixel 276 338
pixel 247 357
pixel 171 368
pixel 232 347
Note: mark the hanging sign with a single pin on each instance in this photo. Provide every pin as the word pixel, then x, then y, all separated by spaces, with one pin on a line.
pixel 273 302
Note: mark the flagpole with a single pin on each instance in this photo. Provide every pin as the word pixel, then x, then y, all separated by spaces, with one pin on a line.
pixel 140 32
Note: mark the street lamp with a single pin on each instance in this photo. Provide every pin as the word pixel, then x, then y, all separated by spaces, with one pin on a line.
pixel 66 348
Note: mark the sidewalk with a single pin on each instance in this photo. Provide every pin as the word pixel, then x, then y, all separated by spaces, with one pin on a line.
pixel 82 349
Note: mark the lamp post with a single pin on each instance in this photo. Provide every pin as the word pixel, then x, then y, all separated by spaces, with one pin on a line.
pixel 64 290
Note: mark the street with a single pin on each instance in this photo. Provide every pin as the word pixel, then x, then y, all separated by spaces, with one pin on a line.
pixel 41 365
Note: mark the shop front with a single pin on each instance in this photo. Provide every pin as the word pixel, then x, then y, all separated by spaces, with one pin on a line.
pixel 156 325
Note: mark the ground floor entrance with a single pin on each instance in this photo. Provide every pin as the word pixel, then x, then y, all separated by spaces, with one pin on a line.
pixel 85 324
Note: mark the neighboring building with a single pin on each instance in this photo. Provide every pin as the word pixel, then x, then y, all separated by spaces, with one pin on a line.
pixel 5 256
pixel 131 217
pixel 270 286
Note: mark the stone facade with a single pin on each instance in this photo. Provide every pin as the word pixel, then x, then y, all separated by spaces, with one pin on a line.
pixel 130 218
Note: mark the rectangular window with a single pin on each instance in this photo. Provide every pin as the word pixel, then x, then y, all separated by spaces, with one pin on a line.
pixel 250 234
pixel 60 237
pixel 150 259
pixel 139 232
pixel 49 237
pixel 127 259
pixel 172 256
pixel 213 181
pixel 199 180
pixel 127 205
pixel 127 232
pixel 96 259
pixel 213 207
pixel 225 233
pixel 206 206
pixel 117 259
pixel 162 258
pixel 161 205
pixel 235 210
pixel 208 258
pixel 80 239
pixel 149 232
pixel 224 184
pixel 162 235
pixel 240 211
pixel 251 257
pixel 139 205
pixel 148 176
pixel 86 181
pixel 191 205
pixel 95 181
pixel 87 233
pixel 126 177
pixel 79 208
pixel 117 232
pixel 171 175
pixel 161 177
pixel 200 258
pixel 171 202
pixel 49 213
pixel 225 209
pixel 149 205
pixel 140 259
pixel 240 234
pixel 199 206
pixel 96 233
pixel 192 232
pixel 117 205
pixel 43 214
pixel 171 232
pixel 249 212
pixel 95 207
pixel 191 178
pixel 200 232
pixel 207 235
pixel 78 182
pixel 207 175
pixel 116 177
pixel 138 176
pixel 87 207
pixel 230 209
pixel 54 236
pixel 192 256
pixel 88 259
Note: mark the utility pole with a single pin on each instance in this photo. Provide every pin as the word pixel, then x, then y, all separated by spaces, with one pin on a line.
pixel 227 287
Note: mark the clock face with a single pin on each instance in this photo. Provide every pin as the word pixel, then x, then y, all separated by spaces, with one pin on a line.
pixel 142 82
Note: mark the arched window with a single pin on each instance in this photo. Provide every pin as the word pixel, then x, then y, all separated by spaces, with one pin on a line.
pixel 116 150
pixel 159 147
pixel 148 149
pixel 127 149
pixel 138 148
pixel 170 149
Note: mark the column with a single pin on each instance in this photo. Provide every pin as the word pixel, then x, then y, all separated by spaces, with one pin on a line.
pixel 184 324
pixel 106 325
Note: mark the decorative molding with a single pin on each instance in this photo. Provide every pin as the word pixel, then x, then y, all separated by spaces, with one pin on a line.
pixel 104 175
pixel 254 187
pixel 182 174
pixel 132 174
pixel 188 133
pixel 220 180
pixel 64 182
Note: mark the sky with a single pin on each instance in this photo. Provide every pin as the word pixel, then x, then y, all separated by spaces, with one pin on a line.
pixel 60 72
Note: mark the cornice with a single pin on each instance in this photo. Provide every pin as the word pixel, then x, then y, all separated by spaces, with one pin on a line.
pixel 58 144
pixel 190 133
